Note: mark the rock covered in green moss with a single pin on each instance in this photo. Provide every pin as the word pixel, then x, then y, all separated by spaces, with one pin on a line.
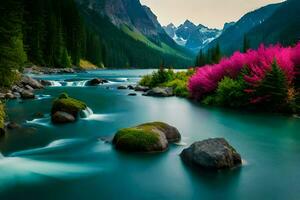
pixel 149 137
pixel 66 104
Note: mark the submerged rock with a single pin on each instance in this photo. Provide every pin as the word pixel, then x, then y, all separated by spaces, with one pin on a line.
pixel 160 92
pixel 132 94
pixel 122 87
pixel 96 81
pixel 67 105
pixel 62 118
pixel 45 83
pixel 149 137
pixel 130 87
pixel 38 115
pixel 212 154
pixel 13 125
pixel 140 88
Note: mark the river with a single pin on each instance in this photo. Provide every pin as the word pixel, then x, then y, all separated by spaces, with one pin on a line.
pixel 45 161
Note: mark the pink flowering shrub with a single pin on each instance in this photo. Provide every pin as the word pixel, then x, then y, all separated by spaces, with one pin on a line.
pixel 258 63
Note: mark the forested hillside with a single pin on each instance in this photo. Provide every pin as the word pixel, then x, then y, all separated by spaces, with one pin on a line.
pixel 59 34
pixel 126 48
pixel 43 32
pixel 282 27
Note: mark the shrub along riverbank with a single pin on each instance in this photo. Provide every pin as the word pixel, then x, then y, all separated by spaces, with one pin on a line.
pixel 169 78
pixel 266 79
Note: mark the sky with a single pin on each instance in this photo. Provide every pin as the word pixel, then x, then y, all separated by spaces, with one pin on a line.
pixel 212 13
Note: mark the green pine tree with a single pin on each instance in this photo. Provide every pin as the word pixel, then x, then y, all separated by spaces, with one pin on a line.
pixel 246 44
pixel 216 54
pixel 201 59
pixel 274 87
pixel 12 55
pixel 66 60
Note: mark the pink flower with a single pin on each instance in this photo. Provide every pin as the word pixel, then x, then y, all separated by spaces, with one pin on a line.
pixel 258 62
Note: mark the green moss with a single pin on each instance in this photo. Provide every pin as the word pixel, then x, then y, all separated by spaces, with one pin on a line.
pixel 151 125
pixel 67 104
pixel 63 96
pixel 136 139
pixel 2 115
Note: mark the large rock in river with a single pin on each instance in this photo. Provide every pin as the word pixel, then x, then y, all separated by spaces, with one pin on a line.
pixel 62 117
pixel 96 81
pixel 160 92
pixel 26 94
pixel 212 154
pixel 67 105
pixel 26 80
pixel 149 137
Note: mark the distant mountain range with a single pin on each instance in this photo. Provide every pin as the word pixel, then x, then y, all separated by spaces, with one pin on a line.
pixel 191 36
pixel 124 24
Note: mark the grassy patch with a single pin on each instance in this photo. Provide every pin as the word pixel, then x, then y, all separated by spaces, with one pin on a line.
pixel 85 64
pixel 140 37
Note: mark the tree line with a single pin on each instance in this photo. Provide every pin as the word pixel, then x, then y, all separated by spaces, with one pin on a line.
pixel 214 55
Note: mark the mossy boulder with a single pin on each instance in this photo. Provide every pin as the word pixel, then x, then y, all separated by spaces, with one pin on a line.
pixel 68 105
pixel 149 137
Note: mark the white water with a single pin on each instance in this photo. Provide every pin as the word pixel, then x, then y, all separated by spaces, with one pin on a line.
pixel 55 84
pixel 76 83
pixel 41 122
pixel 16 169
pixel 86 113
pixel 53 146
pixel 68 83
pixel 43 96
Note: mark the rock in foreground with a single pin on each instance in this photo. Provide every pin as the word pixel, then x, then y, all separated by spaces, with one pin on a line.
pixel 212 154
pixel 160 92
pixel 65 104
pixel 150 137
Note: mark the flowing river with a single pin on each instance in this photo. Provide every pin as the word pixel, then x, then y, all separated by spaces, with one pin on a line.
pixel 68 162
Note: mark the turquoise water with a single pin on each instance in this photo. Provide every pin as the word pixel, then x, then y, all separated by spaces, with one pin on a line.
pixel 43 161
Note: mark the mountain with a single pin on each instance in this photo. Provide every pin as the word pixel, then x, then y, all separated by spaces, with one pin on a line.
pixel 191 36
pixel 282 26
pixel 233 36
pixel 227 25
pixel 133 30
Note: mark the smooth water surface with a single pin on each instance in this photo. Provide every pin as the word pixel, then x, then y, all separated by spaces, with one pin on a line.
pixel 44 161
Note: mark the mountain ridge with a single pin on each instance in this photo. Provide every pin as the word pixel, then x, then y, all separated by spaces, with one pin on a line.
pixel 191 36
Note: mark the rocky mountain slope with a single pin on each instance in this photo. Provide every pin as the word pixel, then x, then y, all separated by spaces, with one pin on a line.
pixel 191 36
